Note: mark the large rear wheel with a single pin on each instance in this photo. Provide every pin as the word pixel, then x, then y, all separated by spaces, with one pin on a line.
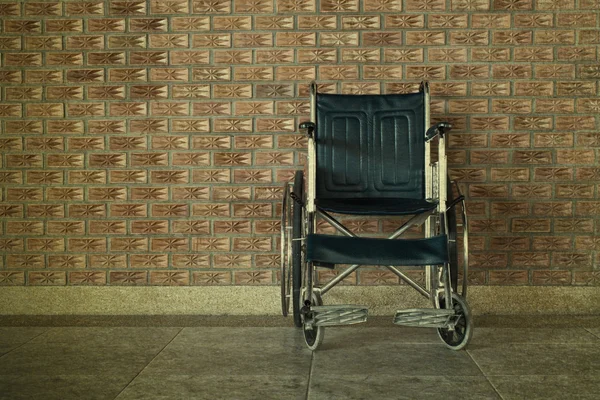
pixel 457 218
pixel 297 245
pixel 286 249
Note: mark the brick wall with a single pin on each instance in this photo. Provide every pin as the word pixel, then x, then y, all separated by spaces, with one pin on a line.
pixel 145 142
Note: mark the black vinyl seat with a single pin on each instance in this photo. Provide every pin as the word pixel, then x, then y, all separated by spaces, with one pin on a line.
pixel 356 250
pixel 377 206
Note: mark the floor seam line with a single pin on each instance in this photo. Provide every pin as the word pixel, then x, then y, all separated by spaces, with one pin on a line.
pixel 23 344
pixel 589 330
pixel 485 375
pixel 310 371
pixel 149 362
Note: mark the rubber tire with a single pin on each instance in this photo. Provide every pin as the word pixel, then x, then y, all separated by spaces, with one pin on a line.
pixel 297 214
pixel 464 327
pixel 452 237
pixel 286 247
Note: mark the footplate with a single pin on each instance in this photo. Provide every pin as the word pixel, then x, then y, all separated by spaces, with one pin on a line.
pixel 424 317
pixel 339 315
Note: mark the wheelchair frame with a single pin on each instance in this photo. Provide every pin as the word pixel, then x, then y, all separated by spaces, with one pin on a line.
pixel 438 279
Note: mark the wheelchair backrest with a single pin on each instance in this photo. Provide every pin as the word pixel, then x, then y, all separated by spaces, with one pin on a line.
pixel 370 146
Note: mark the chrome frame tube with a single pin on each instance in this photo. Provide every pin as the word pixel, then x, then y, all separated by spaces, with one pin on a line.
pixel 311 186
pixel 465 251
pixel 443 194
pixel 333 282
pixel 312 152
pixel 442 201
pixel 428 176
pixel 409 281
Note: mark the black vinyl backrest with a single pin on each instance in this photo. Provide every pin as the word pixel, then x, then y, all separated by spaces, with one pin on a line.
pixel 370 146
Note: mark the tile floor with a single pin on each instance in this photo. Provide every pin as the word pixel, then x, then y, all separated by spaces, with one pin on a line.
pixel 225 358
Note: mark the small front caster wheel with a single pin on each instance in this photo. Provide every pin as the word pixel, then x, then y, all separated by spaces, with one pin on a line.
pixel 460 336
pixel 313 335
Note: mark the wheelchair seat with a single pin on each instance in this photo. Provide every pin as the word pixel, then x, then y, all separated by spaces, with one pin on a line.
pixel 331 249
pixel 376 206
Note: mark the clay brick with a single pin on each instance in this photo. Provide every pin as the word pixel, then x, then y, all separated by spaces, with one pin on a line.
pixel 405 21
pixel 555 4
pixel 509 243
pixel 47 278
pixel 530 260
pixel 548 278
pixel 530 225
pixel 532 191
pixel 107 227
pixel 488 260
pixel 149 261
pixel 533 123
pixel 510 140
pixel 559 209
pixel 510 208
pixel 434 5
pixel 553 139
pixel 11 278
pixel 335 5
pixel 128 244
pixel 253 278
pixel 10 245
pixel 211 278
pixel 509 278
pixel 128 277
pixel 128 210
pixel 551 243
pixel 425 38
pixel 532 157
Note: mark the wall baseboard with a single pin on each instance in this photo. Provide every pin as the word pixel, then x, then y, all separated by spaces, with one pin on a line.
pixel 264 300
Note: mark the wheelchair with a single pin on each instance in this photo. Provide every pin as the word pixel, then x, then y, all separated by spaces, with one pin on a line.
pixel 371 156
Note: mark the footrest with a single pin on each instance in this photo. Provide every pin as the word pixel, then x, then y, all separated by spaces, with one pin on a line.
pixel 339 315
pixel 424 317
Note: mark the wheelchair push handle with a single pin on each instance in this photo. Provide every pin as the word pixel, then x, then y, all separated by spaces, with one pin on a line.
pixel 441 128
pixel 309 127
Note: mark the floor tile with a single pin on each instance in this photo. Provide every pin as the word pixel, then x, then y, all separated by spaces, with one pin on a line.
pixel 489 336
pixel 61 387
pixel 13 337
pixel 547 387
pixel 361 357
pixel 108 335
pixel 393 334
pixel 210 387
pixel 369 386
pixel 537 359
pixel 79 358
pixel 234 351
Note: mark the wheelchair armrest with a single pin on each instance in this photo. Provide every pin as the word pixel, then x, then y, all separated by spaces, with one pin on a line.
pixel 441 128
pixel 308 126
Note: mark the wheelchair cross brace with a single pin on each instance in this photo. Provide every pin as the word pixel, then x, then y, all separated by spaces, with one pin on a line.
pixel 416 220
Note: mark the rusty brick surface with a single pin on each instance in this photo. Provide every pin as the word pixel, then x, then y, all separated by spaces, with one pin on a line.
pixel 146 142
